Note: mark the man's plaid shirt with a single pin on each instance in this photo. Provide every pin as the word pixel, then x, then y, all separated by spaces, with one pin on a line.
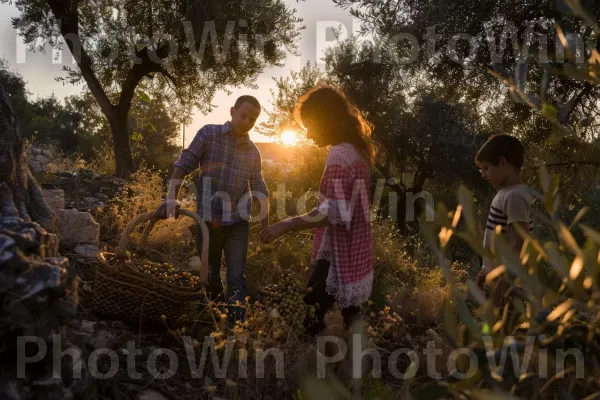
pixel 230 174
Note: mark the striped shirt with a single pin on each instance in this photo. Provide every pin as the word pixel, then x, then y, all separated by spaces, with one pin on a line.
pixel 230 174
pixel 510 205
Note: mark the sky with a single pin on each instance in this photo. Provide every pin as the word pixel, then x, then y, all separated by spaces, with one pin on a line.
pixel 39 70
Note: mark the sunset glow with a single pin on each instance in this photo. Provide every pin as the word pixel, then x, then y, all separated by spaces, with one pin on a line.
pixel 290 138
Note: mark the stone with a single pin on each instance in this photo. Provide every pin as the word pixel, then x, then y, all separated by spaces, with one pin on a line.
pixel 104 339
pixel 90 200
pixel 9 391
pixel 77 227
pixel 87 250
pixel 101 196
pixel 87 327
pixel 38 163
pixel 55 199
pixel 149 394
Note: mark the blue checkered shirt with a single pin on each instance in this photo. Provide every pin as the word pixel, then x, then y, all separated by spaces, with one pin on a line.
pixel 230 174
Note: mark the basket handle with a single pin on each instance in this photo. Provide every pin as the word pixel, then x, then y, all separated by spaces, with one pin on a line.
pixel 149 216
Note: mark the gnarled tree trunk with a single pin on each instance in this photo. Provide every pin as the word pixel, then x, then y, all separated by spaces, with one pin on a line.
pixel 25 198
pixel 38 288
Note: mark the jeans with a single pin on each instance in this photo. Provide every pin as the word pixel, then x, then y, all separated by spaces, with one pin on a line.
pixel 318 282
pixel 233 241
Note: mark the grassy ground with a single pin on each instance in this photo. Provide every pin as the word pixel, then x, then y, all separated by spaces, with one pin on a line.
pixel 404 311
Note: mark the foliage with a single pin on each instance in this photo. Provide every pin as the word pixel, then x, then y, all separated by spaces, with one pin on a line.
pixel 288 90
pixel 495 34
pixel 492 33
pixel 45 119
pixel 15 88
pixel 119 45
pixel 151 128
pixel 559 318
pixel 539 317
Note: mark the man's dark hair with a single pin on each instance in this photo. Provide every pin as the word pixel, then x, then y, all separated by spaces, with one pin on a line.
pixel 499 146
pixel 246 99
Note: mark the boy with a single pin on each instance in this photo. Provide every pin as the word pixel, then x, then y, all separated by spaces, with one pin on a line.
pixel 500 160
pixel 230 165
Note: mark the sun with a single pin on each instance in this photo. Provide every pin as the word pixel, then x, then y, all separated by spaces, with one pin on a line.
pixel 290 138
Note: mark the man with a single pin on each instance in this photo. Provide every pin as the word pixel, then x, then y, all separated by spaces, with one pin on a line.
pixel 230 175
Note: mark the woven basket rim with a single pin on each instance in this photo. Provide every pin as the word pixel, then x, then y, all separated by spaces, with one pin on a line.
pixel 129 270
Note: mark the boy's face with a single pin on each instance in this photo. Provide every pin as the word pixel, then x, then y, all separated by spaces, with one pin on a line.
pixel 244 117
pixel 497 174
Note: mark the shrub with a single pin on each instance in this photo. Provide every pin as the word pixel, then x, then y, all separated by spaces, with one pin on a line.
pixel 550 320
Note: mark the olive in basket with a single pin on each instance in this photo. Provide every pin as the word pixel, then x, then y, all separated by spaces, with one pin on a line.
pixel 168 273
pixel 287 298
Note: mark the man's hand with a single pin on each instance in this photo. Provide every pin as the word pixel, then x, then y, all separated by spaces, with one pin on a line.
pixel 273 232
pixel 168 209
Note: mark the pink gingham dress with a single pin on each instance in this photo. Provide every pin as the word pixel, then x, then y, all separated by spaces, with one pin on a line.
pixel 346 242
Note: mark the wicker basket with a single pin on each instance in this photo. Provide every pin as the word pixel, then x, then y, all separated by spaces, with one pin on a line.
pixel 124 292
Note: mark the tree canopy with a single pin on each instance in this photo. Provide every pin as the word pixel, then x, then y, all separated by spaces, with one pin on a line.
pixel 185 49
pixel 458 41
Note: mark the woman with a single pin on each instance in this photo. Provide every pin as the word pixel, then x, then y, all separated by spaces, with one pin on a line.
pixel 342 252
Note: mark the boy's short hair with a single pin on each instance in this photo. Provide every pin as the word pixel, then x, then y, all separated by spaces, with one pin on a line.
pixel 246 99
pixel 499 146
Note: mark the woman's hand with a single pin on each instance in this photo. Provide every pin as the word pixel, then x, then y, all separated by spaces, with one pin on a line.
pixel 273 232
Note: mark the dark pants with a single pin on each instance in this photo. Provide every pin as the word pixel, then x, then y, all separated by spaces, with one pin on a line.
pixel 233 241
pixel 317 281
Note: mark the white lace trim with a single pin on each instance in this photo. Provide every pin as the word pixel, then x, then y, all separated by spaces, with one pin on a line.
pixel 337 211
pixel 352 294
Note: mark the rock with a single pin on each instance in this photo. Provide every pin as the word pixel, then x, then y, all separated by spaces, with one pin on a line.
pixel 435 337
pixel 118 326
pixel 55 198
pixel 9 391
pixel 39 289
pixel 77 227
pixel 104 339
pixel 87 250
pixel 101 196
pixel 87 327
pixel 117 181
pixel 39 163
pixel 90 200
pixel 149 394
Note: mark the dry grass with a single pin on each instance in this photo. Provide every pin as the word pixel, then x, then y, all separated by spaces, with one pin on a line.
pixel 407 299
pixel 103 160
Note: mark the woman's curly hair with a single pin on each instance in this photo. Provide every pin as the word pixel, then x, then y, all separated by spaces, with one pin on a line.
pixel 340 120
